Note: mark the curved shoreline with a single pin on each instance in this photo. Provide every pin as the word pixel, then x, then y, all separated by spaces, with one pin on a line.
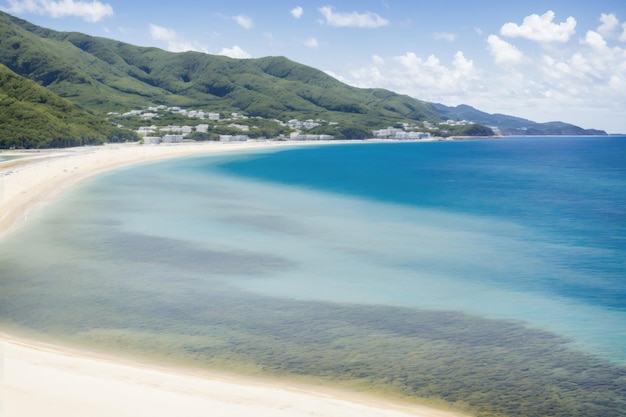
pixel 40 379
pixel 29 182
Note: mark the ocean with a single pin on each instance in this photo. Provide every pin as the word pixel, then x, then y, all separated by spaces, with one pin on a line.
pixel 470 274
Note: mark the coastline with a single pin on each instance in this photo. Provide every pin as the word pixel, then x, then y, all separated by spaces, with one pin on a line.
pixel 28 182
pixel 40 379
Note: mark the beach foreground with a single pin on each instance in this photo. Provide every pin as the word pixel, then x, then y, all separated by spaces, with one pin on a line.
pixel 37 379
pixel 40 380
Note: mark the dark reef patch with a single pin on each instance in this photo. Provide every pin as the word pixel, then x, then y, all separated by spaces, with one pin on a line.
pixel 483 366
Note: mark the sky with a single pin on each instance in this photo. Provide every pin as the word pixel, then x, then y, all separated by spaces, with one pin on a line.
pixel 542 60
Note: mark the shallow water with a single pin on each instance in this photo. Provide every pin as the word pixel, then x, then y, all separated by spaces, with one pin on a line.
pixel 4 158
pixel 388 266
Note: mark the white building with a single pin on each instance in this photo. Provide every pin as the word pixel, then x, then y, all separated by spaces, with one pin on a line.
pixel 310 124
pixel 399 134
pixel 294 124
pixel 148 116
pixel 390 132
pixel 146 130
pixel 245 128
pixel 151 140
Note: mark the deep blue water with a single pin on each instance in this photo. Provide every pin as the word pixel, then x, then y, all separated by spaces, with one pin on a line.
pixel 568 190
pixel 525 229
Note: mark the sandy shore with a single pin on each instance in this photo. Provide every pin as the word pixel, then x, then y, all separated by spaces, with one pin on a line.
pixel 41 380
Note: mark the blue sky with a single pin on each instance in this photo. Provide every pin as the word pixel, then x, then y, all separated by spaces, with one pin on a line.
pixel 543 60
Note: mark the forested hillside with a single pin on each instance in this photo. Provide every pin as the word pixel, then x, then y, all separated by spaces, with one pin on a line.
pixel 33 117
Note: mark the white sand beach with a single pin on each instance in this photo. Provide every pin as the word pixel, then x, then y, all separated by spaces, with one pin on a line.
pixel 39 380
pixel 42 380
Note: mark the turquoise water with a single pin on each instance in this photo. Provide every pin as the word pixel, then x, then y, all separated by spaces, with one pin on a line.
pixel 4 158
pixel 513 246
pixel 527 228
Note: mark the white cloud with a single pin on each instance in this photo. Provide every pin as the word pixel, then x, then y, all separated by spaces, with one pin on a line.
pixel 368 77
pixel 297 12
pixel 378 60
pixel 184 46
pixel 580 82
pixel 503 52
pixel 423 78
pixel 91 11
pixel 445 36
pixel 367 20
pixel 311 43
pixel 235 52
pixel 595 40
pixel 463 66
pixel 609 24
pixel 244 21
pixel 541 28
pixel 174 43
pixel 160 33
pixel 610 27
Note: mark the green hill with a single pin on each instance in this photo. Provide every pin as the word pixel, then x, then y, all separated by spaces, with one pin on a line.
pixel 33 117
pixel 102 75
pixel 105 75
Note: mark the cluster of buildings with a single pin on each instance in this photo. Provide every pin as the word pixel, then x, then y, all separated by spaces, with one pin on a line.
pixel 411 132
pixel 175 134
pixel 168 134
pixel 400 134
pixel 451 122
pixel 297 124
pixel 153 113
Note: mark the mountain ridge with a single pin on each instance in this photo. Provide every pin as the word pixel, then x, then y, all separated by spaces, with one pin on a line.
pixel 102 75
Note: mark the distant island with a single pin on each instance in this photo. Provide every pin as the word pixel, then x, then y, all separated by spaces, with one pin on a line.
pixel 60 89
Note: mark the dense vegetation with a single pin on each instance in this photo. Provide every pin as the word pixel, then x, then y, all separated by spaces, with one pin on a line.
pixel 34 117
pixel 103 75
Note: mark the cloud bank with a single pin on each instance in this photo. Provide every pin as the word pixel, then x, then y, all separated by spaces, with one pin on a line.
pixel 367 20
pixel 585 76
pixel 90 11
pixel 235 52
pixel 541 28
pixel 174 42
